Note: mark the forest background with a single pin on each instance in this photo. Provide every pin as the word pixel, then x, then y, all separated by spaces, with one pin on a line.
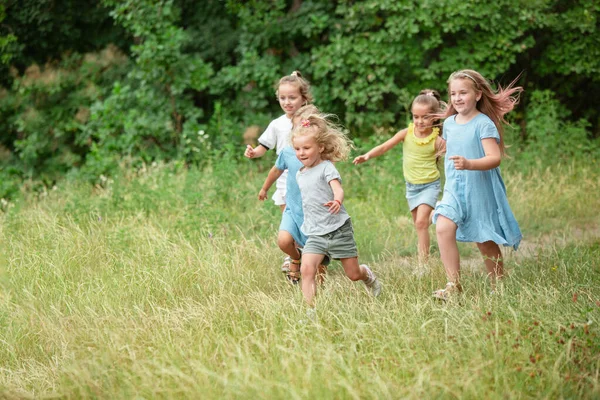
pixel 85 90
pixel 137 262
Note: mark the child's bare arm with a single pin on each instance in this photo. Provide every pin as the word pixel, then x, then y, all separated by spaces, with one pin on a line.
pixel 335 205
pixel 273 175
pixel 490 160
pixel 382 148
pixel 256 152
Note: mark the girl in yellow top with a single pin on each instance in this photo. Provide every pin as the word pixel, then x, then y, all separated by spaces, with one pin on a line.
pixel 422 145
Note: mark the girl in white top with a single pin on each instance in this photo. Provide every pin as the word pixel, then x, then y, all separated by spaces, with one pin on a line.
pixel 293 92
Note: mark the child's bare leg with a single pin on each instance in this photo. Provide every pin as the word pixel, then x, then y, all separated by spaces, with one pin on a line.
pixel 422 219
pixel 286 243
pixel 309 268
pixel 492 257
pixel 282 207
pixel 446 236
pixel 356 272
pixel 353 270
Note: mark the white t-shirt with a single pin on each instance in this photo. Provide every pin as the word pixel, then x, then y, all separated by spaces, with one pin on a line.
pixel 277 134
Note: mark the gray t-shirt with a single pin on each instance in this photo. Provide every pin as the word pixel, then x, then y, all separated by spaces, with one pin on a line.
pixel 315 190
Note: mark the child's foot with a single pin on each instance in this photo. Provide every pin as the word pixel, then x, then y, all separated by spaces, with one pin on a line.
pixel 372 283
pixel 293 275
pixel 450 290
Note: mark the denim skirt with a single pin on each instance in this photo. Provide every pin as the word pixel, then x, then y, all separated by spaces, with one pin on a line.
pixel 425 193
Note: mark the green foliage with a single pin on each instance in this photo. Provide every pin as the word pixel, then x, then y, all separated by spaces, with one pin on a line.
pixel 201 73
pixel 6 41
pixel 48 109
pixel 577 27
pixel 46 29
pixel 551 136
pixel 151 114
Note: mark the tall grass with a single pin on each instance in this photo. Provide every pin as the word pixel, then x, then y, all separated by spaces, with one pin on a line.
pixel 165 283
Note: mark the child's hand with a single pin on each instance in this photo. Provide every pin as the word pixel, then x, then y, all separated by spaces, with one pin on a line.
pixel 361 159
pixel 460 162
pixel 334 206
pixel 262 195
pixel 249 152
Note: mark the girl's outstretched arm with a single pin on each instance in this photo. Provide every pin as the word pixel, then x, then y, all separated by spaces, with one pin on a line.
pixel 382 148
pixel 256 152
pixel 491 159
pixel 274 174
pixel 335 205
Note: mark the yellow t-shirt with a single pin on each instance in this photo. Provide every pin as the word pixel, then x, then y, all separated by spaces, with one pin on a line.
pixel 419 157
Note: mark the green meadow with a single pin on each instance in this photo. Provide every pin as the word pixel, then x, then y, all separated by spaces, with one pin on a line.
pixel 165 282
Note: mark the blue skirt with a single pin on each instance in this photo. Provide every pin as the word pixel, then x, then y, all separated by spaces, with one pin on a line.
pixel 292 226
pixel 426 193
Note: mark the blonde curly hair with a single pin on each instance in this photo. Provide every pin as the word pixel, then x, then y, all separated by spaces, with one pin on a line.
pixel 335 142
pixel 303 113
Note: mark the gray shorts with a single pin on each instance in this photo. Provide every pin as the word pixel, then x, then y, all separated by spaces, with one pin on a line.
pixel 337 244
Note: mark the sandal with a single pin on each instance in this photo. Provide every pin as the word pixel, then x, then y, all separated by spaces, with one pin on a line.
pixel 450 290
pixel 294 276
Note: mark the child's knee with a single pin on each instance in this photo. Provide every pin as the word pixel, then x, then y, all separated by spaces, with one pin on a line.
pixel 284 240
pixel 442 231
pixel 422 224
pixel 445 228
pixel 308 270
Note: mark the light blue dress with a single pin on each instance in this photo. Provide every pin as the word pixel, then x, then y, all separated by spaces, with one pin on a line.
pixel 293 215
pixel 475 200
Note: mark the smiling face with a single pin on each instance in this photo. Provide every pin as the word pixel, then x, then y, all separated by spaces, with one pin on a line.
pixel 464 97
pixel 290 98
pixel 307 150
pixel 421 118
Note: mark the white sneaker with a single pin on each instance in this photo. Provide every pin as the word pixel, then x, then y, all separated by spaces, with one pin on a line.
pixel 374 285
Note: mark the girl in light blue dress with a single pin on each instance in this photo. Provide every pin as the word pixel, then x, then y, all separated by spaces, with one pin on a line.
pixel 474 207
pixel 290 238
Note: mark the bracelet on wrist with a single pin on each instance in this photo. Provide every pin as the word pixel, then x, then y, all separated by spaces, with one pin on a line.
pixel 339 202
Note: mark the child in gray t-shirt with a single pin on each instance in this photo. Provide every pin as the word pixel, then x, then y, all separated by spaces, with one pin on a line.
pixel 317 143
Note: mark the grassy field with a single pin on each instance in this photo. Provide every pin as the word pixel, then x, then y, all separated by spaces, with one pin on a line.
pixel 165 283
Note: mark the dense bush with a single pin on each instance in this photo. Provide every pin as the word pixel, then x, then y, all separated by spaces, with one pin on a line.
pixel 191 77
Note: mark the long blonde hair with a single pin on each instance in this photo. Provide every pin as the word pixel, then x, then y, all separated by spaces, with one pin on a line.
pixel 494 104
pixel 336 144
